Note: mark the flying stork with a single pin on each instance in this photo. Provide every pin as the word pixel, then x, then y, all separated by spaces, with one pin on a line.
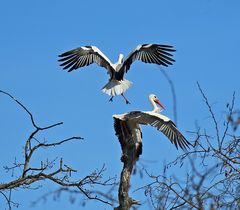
pixel 117 84
pixel 127 126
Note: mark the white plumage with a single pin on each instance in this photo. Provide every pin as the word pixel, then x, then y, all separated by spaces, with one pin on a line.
pixel 117 85
pixel 128 126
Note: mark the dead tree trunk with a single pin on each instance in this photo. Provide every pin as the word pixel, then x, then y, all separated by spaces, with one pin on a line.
pixel 128 159
pixel 131 149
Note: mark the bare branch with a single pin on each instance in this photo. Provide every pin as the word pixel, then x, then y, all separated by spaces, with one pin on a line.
pixel 212 180
pixel 211 112
pixel 47 170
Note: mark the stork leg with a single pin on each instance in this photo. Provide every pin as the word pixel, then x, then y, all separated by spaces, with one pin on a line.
pixel 127 102
pixel 111 99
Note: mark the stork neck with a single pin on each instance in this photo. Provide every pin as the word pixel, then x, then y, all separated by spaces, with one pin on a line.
pixel 120 59
pixel 156 109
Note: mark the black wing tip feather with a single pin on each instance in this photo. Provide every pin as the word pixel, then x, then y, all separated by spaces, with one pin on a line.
pixel 183 143
pixel 165 62
pixel 66 58
pixel 70 58
pixel 67 53
pixel 169 49
pixel 165 45
pixel 70 52
pixel 61 55
pixel 161 46
pixel 179 140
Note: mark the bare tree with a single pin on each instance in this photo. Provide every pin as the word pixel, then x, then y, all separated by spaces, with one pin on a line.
pixel 54 170
pixel 212 181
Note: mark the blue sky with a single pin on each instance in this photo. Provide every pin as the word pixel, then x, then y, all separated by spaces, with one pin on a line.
pixel 205 33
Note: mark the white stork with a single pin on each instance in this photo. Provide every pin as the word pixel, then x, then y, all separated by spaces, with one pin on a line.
pixel 127 126
pixel 117 85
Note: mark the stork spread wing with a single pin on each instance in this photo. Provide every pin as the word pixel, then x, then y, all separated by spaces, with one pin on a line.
pixel 149 53
pixel 84 56
pixel 162 123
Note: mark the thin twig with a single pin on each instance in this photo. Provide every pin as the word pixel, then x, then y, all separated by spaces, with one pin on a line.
pixel 211 112
pixel 173 94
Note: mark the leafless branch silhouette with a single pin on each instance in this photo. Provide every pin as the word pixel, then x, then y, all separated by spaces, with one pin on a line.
pixel 212 181
pixel 54 170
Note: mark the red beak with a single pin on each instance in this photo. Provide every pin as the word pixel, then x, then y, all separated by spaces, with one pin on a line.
pixel 159 103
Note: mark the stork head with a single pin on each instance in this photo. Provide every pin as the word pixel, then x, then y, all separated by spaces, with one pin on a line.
pixel 120 58
pixel 154 101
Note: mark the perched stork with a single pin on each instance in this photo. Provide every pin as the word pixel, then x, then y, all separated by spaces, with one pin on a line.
pixel 127 126
pixel 117 85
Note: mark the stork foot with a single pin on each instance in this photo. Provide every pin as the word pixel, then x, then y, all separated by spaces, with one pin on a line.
pixel 127 101
pixel 111 99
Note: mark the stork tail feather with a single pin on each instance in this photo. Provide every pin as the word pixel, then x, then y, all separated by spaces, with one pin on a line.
pixel 116 87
